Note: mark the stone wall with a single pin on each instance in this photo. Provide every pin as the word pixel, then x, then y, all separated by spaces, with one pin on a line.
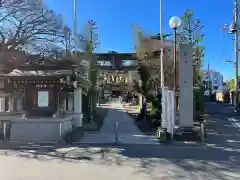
pixel 5 118
pixel 43 130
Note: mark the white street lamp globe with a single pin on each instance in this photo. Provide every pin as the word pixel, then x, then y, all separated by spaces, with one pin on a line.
pixel 175 22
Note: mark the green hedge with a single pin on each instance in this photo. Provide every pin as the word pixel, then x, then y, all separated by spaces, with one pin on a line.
pixel 198 102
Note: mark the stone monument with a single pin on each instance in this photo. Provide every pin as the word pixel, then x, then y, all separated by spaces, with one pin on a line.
pixel 186 85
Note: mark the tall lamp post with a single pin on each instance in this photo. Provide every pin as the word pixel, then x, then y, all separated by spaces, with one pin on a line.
pixel 74 36
pixel 161 50
pixel 175 23
pixel 75 29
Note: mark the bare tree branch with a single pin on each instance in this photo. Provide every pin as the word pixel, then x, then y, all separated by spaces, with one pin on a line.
pixel 29 23
pixel 50 51
pixel 88 41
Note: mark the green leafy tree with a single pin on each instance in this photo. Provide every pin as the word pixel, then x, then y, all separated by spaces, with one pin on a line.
pixel 191 33
pixel 198 54
pixel 191 29
pixel 232 84
pixel 148 53
pixel 158 36
pixel 143 45
pixel 88 42
pixel 145 86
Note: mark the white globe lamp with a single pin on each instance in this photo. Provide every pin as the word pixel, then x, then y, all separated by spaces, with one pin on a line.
pixel 175 22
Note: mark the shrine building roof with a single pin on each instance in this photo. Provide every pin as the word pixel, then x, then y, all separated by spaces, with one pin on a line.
pixel 17 72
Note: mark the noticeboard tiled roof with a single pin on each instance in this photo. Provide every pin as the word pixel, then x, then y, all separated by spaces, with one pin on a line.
pixel 17 72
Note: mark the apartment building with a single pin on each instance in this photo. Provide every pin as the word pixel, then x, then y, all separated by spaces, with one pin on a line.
pixel 216 78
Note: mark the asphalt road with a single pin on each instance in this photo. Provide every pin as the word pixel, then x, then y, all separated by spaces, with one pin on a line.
pixel 218 159
pixel 223 125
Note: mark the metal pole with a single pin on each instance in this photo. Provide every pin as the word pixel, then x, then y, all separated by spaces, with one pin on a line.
pixel 75 48
pixel 161 61
pixel 175 78
pixel 161 50
pixel 175 66
pixel 236 53
pixel 75 29
pixel 202 133
pixel 60 129
pixel 4 131
pixel 116 132
pixel 209 81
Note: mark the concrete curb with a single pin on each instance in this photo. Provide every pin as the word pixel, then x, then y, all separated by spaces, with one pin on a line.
pixel 180 145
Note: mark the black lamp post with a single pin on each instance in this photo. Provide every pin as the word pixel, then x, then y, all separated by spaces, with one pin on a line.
pixel 175 23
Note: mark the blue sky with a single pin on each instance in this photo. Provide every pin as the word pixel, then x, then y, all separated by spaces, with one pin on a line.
pixel 115 19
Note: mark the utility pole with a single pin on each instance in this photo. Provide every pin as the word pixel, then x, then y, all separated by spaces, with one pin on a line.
pixel 234 29
pixel 209 81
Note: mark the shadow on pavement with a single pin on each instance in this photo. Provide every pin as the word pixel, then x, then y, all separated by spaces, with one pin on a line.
pixel 220 161
pixel 222 126
pixel 157 161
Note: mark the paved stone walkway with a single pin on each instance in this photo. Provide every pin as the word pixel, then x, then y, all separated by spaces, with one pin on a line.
pixel 128 133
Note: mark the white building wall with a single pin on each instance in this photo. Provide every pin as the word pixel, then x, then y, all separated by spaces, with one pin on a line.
pixel 214 77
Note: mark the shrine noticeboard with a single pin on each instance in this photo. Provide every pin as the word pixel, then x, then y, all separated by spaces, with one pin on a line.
pixel 165 108
pixel 168 110
pixel 43 98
